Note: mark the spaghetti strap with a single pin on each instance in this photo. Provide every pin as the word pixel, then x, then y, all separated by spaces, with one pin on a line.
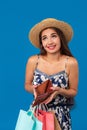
pixel 37 61
pixel 66 62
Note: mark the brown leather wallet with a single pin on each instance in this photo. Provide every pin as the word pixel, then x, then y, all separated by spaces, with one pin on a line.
pixel 43 92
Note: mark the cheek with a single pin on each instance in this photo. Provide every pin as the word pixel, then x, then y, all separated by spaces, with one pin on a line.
pixel 44 45
pixel 59 43
pixel 58 46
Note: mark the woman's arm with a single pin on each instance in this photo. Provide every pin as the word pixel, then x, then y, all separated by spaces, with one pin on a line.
pixel 73 80
pixel 30 67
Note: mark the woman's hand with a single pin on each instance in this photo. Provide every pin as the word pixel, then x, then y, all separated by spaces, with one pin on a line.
pixel 55 88
pixel 53 95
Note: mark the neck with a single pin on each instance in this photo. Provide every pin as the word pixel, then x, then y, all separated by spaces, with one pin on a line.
pixel 53 57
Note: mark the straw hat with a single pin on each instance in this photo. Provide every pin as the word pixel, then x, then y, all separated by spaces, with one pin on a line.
pixel 49 22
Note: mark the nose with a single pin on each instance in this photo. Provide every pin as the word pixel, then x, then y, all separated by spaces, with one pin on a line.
pixel 49 41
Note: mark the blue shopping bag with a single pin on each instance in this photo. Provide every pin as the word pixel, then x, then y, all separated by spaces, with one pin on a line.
pixel 27 121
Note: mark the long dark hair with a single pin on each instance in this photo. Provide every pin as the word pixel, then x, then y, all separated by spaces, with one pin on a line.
pixel 64 45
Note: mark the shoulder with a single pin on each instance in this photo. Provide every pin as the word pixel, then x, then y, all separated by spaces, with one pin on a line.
pixel 31 62
pixel 72 65
pixel 32 59
pixel 72 61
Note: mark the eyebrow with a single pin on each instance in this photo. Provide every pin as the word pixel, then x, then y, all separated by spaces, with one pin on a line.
pixel 46 35
pixel 53 33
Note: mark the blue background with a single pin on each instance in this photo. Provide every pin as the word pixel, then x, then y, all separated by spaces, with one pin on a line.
pixel 16 19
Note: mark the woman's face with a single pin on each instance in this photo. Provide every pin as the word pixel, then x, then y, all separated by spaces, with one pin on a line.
pixel 50 41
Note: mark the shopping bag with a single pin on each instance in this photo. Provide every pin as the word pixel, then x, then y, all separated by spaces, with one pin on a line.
pixel 27 121
pixel 47 119
pixel 56 123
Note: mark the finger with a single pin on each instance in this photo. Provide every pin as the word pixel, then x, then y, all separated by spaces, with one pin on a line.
pixel 52 88
pixel 49 100
pixel 55 88
pixel 35 94
pixel 45 101
pixel 34 86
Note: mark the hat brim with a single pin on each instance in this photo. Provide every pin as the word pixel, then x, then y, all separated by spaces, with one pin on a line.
pixel 50 22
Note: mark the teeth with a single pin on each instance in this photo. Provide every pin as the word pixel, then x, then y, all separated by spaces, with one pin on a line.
pixel 51 46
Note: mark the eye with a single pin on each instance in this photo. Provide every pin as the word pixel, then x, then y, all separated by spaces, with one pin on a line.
pixel 44 38
pixel 54 35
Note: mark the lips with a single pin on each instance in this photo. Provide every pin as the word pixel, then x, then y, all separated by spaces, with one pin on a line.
pixel 51 47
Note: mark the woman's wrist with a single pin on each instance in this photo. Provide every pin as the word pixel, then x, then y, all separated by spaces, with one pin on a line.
pixel 34 86
pixel 66 92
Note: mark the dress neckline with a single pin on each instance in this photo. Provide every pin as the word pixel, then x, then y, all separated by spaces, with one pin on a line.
pixel 49 75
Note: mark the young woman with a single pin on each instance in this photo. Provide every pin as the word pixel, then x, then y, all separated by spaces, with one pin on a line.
pixel 55 62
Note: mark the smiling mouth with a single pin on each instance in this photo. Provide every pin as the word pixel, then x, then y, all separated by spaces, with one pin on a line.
pixel 51 47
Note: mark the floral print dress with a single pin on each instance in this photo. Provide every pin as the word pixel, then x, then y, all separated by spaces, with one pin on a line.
pixel 59 105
